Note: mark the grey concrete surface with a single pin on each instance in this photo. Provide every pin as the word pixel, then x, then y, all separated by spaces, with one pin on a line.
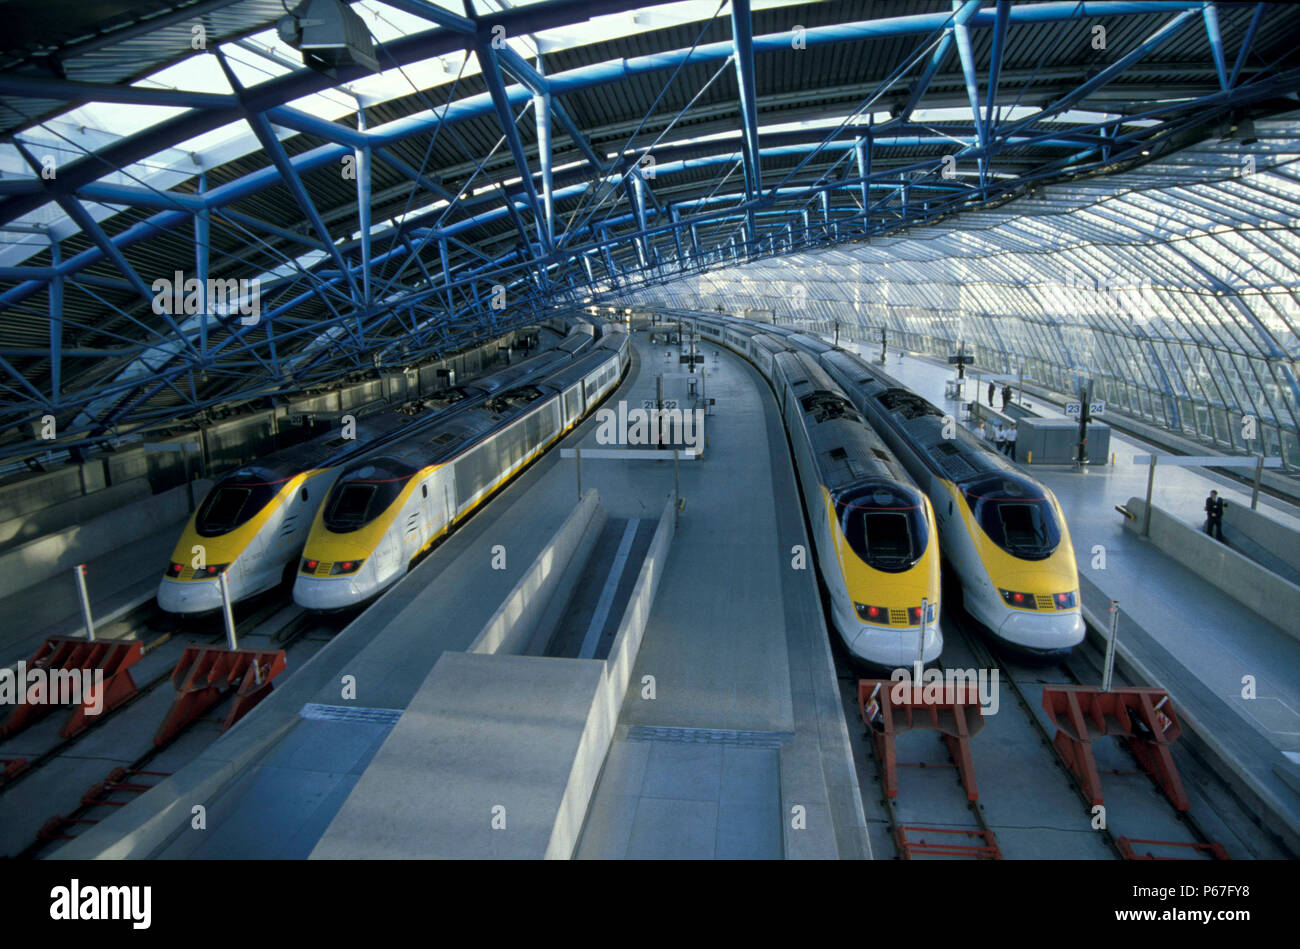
pixel 1257 589
pixel 479 765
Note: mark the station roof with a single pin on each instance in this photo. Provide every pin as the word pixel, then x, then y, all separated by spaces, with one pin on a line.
pixel 551 154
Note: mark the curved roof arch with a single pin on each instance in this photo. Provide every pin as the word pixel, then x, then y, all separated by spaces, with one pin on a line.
pixel 600 149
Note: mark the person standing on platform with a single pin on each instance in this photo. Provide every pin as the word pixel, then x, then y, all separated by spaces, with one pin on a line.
pixel 1006 396
pixel 1011 443
pixel 1214 506
pixel 999 437
pixel 990 395
pixel 980 433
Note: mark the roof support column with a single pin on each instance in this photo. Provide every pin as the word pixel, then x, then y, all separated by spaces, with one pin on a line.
pixel 742 33
pixel 363 206
pixel 202 254
pixel 1215 36
pixel 962 12
pixel 56 322
pixel 863 146
pixel 491 72
pixel 643 248
pixel 1001 16
pixel 542 108
pixel 1245 44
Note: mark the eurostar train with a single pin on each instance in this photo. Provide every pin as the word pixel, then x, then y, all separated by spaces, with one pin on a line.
pixel 874 532
pixel 1002 532
pixel 254 522
pixel 387 509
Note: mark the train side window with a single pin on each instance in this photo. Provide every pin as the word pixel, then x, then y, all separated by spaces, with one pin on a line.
pixel 303 493
pixel 424 490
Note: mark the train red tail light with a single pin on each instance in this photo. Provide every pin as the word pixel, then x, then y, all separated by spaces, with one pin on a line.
pixel 345 566
pixel 1065 601
pixel 872 614
pixel 1020 600
pixel 309 566
pixel 175 569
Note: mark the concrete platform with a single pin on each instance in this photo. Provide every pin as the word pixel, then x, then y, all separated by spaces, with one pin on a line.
pixel 117 583
pixel 744 681
pixel 480 765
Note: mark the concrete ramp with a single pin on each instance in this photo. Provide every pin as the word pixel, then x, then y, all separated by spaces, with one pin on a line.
pixel 494 759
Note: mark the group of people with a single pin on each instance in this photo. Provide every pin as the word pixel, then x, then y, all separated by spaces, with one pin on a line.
pixel 1003 438
pixel 1006 395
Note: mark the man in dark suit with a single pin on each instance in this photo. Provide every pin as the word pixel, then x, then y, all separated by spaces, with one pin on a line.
pixel 1214 506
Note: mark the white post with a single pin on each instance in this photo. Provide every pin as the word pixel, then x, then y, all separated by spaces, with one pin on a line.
pixel 1110 646
pixel 1151 480
pixel 85 602
pixel 227 613
pixel 920 646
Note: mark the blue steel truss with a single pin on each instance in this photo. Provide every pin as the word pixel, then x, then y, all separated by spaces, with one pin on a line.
pixel 610 224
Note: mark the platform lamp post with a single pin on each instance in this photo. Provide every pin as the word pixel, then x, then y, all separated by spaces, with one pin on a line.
pixel 883 345
pixel 1085 393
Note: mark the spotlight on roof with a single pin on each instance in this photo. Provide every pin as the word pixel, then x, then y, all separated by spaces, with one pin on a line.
pixel 329 34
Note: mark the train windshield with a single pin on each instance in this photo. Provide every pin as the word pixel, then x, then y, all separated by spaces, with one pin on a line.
pixel 234 501
pixel 884 523
pixel 1016 515
pixel 364 493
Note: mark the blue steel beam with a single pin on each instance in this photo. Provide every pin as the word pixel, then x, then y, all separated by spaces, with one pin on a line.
pixel 1245 44
pixel 363 206
pixel 1001 15
pixel 81 217
pixel 742 34
pixel 1111 72
pixel 276 92
pixel 1211 15
pixel 288 176
pixel 202 251
pixel 56 326
pixel 542 113
pixel 491 73
pixel 962 13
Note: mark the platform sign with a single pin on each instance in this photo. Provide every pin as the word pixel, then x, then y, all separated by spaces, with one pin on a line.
pixel 698 357
pixel 1096 408
pixel 1072 409
pixel 651 404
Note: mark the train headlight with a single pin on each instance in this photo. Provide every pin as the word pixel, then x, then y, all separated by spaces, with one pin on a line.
pixel 345 566
pixel 1024 601
pixel 871 614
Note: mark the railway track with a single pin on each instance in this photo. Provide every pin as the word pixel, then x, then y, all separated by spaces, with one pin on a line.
pixel 270 621
pixel 937 820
